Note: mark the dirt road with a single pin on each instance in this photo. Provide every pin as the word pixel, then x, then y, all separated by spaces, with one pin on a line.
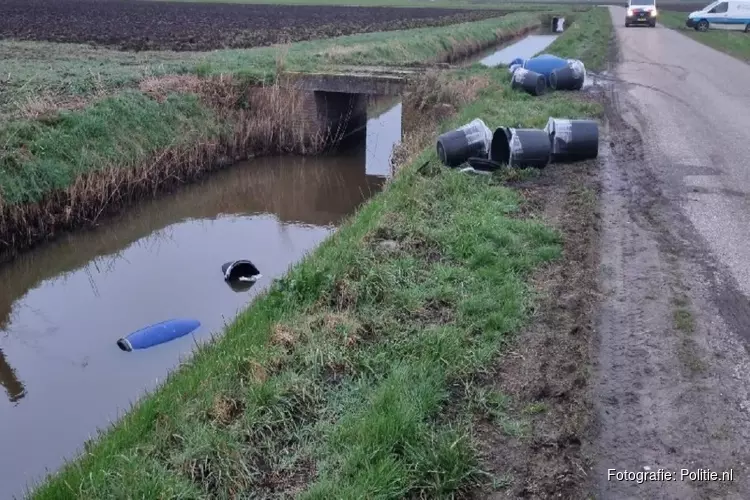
pixel 672 384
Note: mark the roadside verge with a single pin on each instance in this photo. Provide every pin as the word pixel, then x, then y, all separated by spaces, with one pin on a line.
pixel 363 372
pixel 734 43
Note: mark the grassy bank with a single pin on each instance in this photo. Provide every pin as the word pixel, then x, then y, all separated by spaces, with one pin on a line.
pixel 355 375
pixel 176 118
pixel 586 40
pixel 66 75
pixel 734 43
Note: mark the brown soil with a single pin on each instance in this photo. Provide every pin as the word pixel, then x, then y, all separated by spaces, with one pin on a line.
pixel 147 25
pixel 545 371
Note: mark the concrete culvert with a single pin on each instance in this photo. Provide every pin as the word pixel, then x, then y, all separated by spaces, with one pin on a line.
pixel 240 271
pixel 521 148
pixel 573 140
pixel 530 81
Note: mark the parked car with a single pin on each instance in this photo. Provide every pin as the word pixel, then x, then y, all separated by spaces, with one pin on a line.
pixel 641 12
pixel 724 15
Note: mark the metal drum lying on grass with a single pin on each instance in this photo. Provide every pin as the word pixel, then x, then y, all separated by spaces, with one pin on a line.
pixel 520 147
pixel 573 140
pixel 531 82
pixel 470 140
pixel 570 77
pixel 545 64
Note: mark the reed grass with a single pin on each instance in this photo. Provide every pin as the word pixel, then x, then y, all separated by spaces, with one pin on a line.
pixel 77 166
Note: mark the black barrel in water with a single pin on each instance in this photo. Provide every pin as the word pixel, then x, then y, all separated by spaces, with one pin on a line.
pixel 530 81
pixel 569 77
pixel 521 147
pixel 573 140
pixel 471 140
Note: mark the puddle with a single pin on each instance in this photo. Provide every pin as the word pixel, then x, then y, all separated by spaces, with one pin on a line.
pixel 525 48
pixel 63 305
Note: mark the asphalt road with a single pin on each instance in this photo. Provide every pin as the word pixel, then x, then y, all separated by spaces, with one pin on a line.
pixel 696 104
pixel 673 372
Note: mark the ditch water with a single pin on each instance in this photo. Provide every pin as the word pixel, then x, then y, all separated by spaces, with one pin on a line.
pixel 526 48
pixel 63 305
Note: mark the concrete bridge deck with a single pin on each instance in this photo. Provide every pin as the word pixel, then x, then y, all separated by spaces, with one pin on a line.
pixel 372 80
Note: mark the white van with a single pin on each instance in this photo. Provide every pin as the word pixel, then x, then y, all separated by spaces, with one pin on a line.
pixel 723 15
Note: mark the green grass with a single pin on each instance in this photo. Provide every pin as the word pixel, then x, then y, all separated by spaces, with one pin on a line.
pixel 352 376
pixel 34 69
pixel 36 157
pixel 734 43
pixel 586 40
pixel 119 131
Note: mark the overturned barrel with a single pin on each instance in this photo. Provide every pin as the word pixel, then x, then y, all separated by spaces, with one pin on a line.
pixel 544 64
pixel 240 270
pixel 573 140
pixel 529 81
pixel 470 140
pixel 158 333
pixel 569 77
pixel 521 147
pixel 484 165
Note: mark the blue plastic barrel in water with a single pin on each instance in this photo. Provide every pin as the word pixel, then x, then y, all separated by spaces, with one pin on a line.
pixel 157 334
pixel 544 64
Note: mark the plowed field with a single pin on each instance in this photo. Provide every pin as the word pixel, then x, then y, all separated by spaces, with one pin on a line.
pixel 130 25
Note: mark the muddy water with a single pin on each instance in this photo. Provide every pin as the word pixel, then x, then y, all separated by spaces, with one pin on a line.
pixel 64 305
pixel 525 48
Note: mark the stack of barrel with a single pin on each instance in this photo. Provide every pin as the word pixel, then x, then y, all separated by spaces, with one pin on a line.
pixel 537 74
pixel 561 141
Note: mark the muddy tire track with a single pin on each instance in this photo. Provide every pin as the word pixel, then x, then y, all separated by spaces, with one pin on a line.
pixel 670 391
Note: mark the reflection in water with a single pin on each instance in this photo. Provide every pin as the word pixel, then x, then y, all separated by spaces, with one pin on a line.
pixel 240 286
pixel 525 48
pixel 383 133
pixel 63 305
pixel 9 381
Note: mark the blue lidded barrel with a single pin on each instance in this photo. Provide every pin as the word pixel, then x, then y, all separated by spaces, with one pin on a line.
pixel 157 334
pixel 544 65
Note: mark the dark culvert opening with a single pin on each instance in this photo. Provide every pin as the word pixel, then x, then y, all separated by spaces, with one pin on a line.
pixel 551 23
